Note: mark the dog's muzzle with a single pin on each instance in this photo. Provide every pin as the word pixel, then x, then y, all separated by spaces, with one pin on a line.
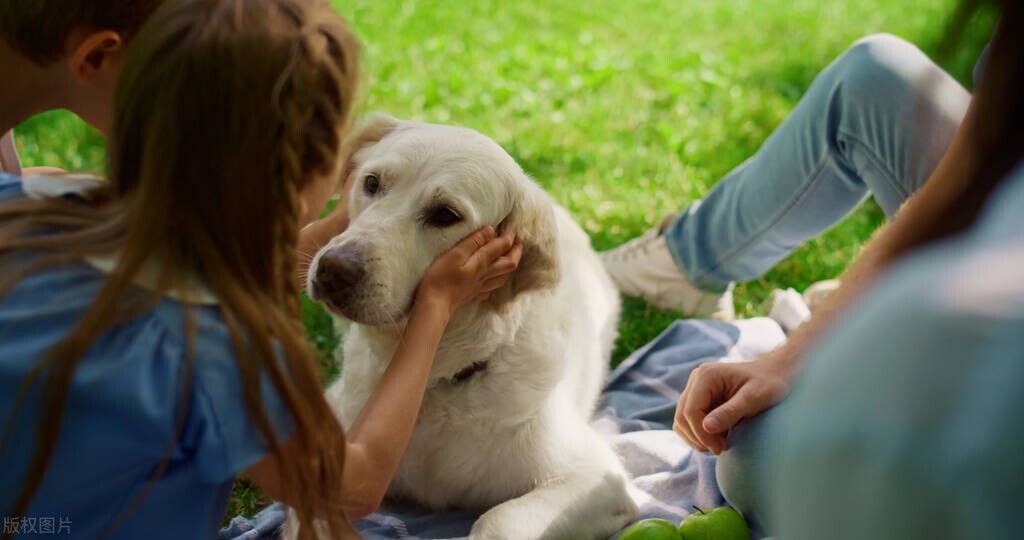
pixel 339 271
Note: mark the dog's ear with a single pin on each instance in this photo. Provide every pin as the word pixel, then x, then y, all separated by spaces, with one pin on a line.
pixel 533 220
pixel 373 130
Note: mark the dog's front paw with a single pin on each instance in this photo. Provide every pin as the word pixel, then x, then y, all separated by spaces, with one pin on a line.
pixel 290 529
pixel 489 527
pixel 509 523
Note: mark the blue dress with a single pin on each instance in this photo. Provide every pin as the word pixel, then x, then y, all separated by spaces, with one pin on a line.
pixel 119 422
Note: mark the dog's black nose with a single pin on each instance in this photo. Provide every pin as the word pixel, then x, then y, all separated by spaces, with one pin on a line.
pixel 339 268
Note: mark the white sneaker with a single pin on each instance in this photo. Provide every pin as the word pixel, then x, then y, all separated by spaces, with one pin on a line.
pixel 788 308
pixel 791 309
pixel 816 294
pixel 644 267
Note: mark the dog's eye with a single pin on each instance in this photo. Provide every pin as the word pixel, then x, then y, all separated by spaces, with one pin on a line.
pixel 371 184
pixel 443 216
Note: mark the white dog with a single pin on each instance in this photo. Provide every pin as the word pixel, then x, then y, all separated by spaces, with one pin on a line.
pixel 504 428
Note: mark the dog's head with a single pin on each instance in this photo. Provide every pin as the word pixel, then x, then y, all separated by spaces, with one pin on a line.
pixel 414 190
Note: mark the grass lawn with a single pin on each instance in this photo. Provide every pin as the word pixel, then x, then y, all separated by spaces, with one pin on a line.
pixel 623 110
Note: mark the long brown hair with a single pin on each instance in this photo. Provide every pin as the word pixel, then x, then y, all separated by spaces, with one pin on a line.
pixel 997 140
pixel 223 112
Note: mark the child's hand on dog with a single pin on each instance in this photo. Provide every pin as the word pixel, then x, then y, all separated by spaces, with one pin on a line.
pixel 469 271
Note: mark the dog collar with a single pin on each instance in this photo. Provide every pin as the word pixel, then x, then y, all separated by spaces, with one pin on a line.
pixel 468 371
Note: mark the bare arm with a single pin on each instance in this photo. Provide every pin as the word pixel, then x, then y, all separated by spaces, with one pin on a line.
pixel 41 171
pixel 946 183
pixel 717 396
pixel 378 438
pixel 317 234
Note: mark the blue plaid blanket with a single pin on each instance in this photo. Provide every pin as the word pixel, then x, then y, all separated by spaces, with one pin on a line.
pixel 635 415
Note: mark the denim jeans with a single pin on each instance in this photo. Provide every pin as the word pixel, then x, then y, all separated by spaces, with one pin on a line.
pixel 876 121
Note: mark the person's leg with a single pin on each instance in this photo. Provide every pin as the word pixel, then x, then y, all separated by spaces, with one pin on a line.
pixel 875 121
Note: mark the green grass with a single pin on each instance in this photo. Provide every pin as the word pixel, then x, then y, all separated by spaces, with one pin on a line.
pixel 623 110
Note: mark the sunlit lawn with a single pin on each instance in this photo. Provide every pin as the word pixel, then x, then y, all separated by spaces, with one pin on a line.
pixel 623 110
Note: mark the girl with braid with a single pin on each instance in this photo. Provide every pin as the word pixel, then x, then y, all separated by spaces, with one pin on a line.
pixel 150 341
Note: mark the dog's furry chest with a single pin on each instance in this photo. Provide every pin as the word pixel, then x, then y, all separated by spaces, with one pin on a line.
pixel 475 375
pixel 459 437
pixel 464 421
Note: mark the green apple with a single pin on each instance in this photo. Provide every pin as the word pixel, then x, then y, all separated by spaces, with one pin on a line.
pixel 719 524
pixel 651 529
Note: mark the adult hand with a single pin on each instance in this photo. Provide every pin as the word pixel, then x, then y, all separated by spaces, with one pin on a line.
pixel 719 395
pixel 469 271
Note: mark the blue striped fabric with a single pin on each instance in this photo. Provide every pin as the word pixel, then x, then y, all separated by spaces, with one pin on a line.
pixel 635 414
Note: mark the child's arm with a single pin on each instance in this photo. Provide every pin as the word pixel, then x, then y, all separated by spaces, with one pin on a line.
pixel 377 439
pixel 42 171
pixel 317 234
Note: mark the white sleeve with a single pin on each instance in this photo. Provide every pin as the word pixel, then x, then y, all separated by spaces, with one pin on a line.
pixel 45 187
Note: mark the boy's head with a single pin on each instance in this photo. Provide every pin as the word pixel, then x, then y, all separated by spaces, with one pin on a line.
pixel 78 44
